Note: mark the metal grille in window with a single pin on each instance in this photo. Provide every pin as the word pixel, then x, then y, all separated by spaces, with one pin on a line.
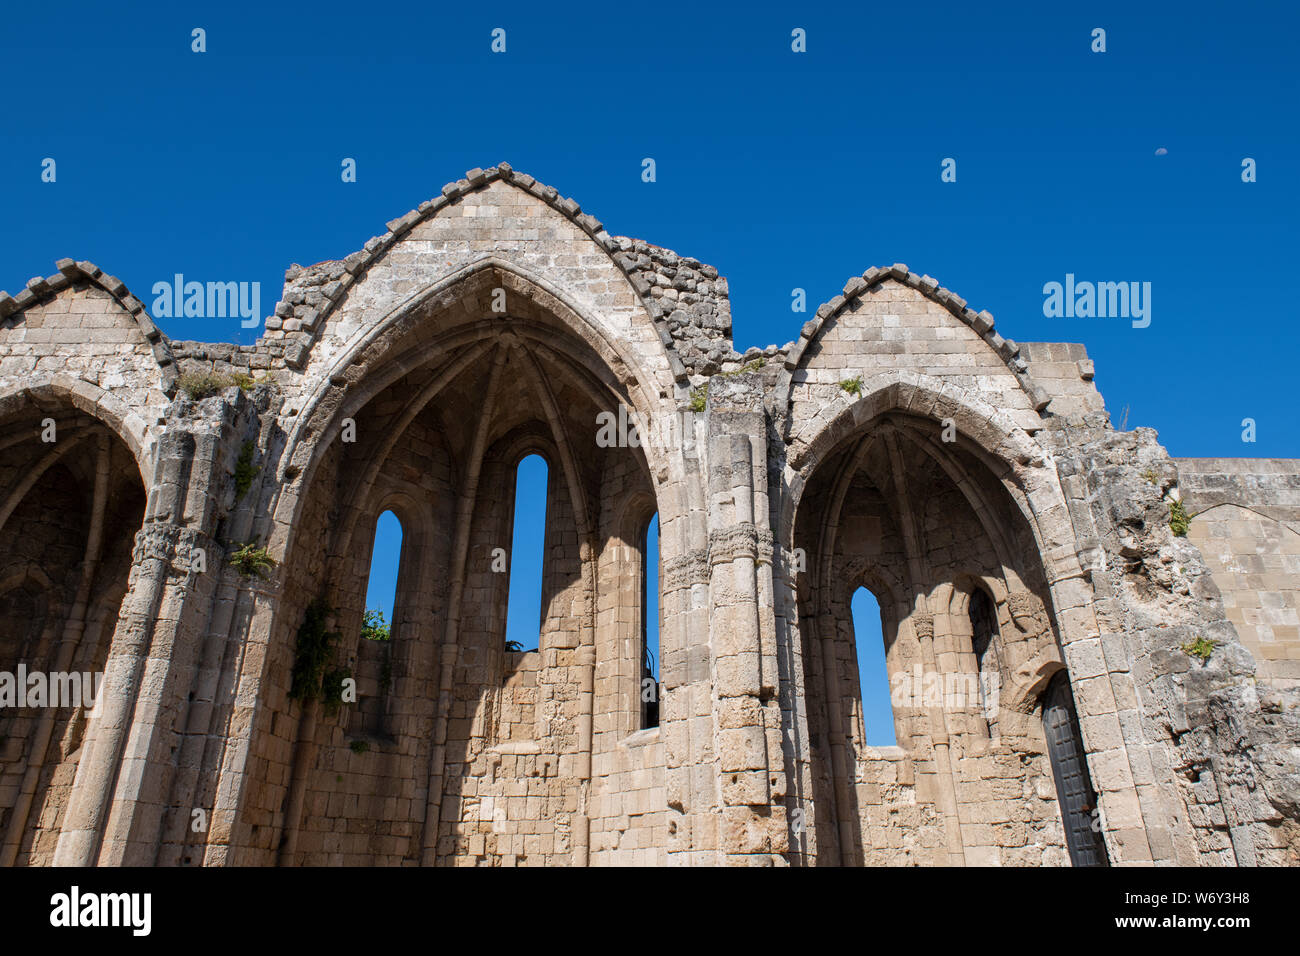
pixel 1077 799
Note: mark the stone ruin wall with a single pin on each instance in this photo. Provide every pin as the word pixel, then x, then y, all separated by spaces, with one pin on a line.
pixel 1246 524
pixel 539 757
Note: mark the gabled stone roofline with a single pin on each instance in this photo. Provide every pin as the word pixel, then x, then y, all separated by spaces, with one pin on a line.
pixel 70 272
pixel 318 289
pixel 980 322
pixel 307 317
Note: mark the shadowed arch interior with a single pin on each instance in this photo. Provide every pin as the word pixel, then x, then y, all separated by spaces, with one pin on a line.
pixel 448 435
pixel 925 523
pixel 71 502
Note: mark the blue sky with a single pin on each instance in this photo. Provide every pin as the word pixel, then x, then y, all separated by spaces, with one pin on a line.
pixel 784 170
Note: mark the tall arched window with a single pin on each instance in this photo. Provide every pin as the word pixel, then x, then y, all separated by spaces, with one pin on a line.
pixel 527 556
pixel 873 673
pixel 375 649
pixel 650 676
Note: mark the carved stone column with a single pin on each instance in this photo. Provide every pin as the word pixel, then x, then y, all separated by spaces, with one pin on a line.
pixel 750 764
pixel 124 779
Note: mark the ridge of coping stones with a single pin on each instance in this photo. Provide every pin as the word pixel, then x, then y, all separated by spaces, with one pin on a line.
pixel 70 272
pixel 981 323
pixel 355 265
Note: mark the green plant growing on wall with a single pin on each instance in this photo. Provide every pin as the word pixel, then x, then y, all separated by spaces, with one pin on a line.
pixel 1151 476
pixel 331 689
pixel 244 469
pixel 312 652
pixel 200 385
pixel 359 746
pixel 251 560
pixel 1178 518
pixel 699 397
pixel 374 627
pixel 852 385
pixel 753 366
pixel 1201 647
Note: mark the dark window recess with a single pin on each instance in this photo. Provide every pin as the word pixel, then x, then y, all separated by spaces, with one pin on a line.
pixel 1077 799
pixel 983 624
pixel 649 689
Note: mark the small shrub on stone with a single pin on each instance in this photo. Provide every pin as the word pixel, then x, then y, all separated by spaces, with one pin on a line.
pixel 753 366
pixel 374 627
pixel 312 652
pixel 699 398
pixel 331 689
pixel 852 385
pixel 1201 647
pixel 1178 518
pixel 201 385
pixel 252 560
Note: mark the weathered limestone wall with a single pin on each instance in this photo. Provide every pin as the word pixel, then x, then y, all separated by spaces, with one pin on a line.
pixel 1065 372
pixel 52 619
pixel 987 753
pixel 1215 784
pixel 363 796
pixel 899 443
pixel 1245 520
pixel 85 378
pixel 886 327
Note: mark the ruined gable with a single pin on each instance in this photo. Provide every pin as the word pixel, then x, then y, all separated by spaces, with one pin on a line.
pixel 1073 681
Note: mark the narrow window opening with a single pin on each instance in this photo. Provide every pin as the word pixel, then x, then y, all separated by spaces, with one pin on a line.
pixel 984 628
pixel 1074 792
pixel 873 671
pixel 982 624
pixel 527 556
pixel 650 680
pixel 375 649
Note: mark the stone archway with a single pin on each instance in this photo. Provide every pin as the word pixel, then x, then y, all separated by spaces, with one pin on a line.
pixel 71 502
pixel 892 501
pixel 442 404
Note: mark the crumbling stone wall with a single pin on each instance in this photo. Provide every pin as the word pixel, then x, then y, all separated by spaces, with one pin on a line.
pixel 1205 736
pixel 70 502
pixel 899 443
pixel 1244 519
